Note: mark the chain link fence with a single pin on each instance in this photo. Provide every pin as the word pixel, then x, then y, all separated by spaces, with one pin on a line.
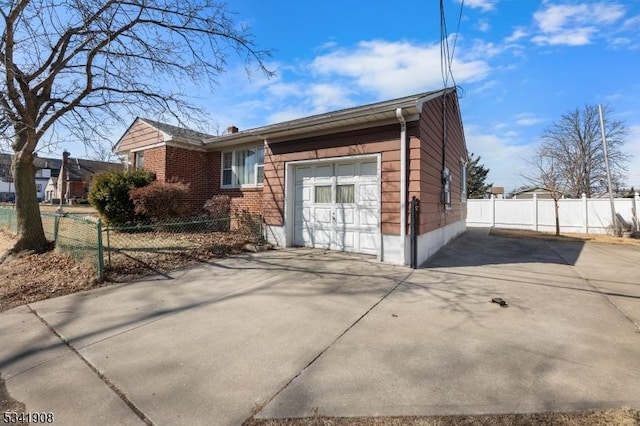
pixel 72 234
pixel 151 245
pixel 156 246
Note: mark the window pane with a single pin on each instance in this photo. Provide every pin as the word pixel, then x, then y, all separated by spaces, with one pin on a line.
pixel 260 177
pixel 226 177
pixel 260 151
pixel 345 194
pixel 323 194
pixel 245 167
pixel 139 159
pixel 226 160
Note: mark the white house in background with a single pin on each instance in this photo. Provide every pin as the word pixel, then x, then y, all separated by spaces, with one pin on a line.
pixel 78 176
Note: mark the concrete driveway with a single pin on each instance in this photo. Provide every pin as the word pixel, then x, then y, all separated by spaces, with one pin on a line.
pixel 293 332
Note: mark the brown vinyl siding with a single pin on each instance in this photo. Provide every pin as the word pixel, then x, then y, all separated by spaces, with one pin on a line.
pixel 433 214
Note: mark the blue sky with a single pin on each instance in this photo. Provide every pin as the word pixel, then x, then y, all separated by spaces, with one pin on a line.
pixel 520 64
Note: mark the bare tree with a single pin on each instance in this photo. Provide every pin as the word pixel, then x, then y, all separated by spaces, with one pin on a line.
pixel 546 172
pixel 77 65
pixel 575 144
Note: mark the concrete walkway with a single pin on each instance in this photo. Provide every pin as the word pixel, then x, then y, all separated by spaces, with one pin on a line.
pixel 293 332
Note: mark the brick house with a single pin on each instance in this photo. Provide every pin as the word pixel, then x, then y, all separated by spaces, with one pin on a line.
pixel 340 180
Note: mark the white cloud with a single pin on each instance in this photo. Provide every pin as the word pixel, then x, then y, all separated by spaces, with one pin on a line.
pixel 483 26
pixel 392 69
pixel 528 119
pixel 632 23
pixel 574 24
pixel 518 34
pixel 573 37
pixel 484 5
pixel 504 158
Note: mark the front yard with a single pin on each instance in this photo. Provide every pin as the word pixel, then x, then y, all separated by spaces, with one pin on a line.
pixel 33 277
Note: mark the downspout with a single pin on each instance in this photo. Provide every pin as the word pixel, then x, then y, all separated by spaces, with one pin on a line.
pixel 403 180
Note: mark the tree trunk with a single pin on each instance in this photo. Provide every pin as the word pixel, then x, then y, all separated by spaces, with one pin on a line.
pixel 557 211
pixel 27 210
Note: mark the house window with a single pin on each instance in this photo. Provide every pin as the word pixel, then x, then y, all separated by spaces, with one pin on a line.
pixel 243 167
pixel 138 159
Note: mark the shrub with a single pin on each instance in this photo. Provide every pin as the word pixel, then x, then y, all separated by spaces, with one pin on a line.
pixel 109 194
pixel 161 201
pixel 218 207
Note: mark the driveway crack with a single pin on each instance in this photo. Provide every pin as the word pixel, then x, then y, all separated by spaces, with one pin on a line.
pixel 323 351
pixel 102 377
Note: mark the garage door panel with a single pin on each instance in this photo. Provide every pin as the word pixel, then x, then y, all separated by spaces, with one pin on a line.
pixel 369 192
pixel 322 215
pixel 345 240
pixel 368 217
pixel 368 242
pixel 345 216
pixel 321 237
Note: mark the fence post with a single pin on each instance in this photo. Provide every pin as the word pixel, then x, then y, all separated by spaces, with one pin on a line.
pixel 493 210
pixel 585 206
pixel 56 227
pixel 535 211
pixel 636 219
pixel 100 251
pixel 108 245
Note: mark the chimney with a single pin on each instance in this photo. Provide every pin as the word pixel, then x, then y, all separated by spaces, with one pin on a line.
pixel 232 129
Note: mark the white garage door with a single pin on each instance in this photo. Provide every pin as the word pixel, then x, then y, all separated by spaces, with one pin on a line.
pixel 337 206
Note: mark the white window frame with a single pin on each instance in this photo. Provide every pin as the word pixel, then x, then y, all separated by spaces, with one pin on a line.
pixel 257 166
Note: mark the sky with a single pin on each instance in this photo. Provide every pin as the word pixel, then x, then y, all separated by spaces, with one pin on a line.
pixel 519 64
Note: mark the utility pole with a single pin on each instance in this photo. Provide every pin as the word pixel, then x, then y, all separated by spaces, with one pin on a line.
pixel 616 230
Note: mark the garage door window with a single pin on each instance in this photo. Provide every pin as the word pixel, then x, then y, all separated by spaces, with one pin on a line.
pixel 345 194
pixel 323 194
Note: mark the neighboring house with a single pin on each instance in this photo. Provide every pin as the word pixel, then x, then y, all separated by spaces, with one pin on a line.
pixel 49 187
pixel 341 180
pixel 497 191
pixel 527 193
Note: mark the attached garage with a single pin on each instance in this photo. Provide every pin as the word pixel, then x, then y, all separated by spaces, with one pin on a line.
pixel 341 180
pixel 337 205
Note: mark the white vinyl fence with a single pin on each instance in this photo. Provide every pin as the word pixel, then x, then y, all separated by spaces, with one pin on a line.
pixel 585 215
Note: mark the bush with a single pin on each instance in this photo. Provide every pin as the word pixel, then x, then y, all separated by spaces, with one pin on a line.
pixel 218 207
pixel 109 194
pixel 160 201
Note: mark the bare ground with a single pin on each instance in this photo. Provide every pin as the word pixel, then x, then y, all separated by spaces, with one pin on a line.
pixel 32 277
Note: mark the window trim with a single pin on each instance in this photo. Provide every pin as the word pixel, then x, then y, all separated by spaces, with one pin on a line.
pixel 256 168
